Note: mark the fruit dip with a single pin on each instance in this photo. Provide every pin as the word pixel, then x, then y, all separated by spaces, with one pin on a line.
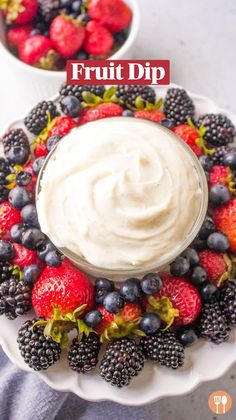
pixel 120 193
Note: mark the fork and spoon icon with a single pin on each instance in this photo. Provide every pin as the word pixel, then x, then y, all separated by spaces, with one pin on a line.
pixel 220 400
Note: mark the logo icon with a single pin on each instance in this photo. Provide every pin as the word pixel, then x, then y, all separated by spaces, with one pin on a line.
pixel 220 402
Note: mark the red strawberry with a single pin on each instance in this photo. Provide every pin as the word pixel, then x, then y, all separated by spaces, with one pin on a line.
pixel 64 286
pixel 183 296
pixel 38 51
pixel 40 150
pixel 190 136
pixel 214 264
pixel 62 126
pixel 98 112
pixel 24 256
pixel 219 175
pixel 18 34
pixel 130 312
pixel 114 14
pixel 67 35
pixel 8 217
pixel 19 11
pixel 153 115
pixel 98 39
pixel 225 220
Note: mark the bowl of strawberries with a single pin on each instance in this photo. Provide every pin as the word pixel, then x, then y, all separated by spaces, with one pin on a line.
pixel 37 37
pixel 148 337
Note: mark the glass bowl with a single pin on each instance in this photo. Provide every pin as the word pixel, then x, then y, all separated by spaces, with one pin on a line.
pixel 163 261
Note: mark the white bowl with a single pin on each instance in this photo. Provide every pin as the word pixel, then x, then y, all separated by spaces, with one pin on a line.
pixel 40 84
pixel 204 361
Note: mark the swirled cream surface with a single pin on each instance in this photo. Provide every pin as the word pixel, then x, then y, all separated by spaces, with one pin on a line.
pixel 119 192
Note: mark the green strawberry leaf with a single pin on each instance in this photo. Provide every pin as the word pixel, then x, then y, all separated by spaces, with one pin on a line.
pixel 109 93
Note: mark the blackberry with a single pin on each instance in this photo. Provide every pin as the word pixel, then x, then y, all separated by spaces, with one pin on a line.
pixel 77 90
pixel 178 106
pixel 128 94
pixel 213 324
pixel 220 131
pixel 5 272
pixel 218 157
pixel 13 139
pixel 164 348
pixel 228 301
pixel 49 9
pixel 38 351
pixel 83 355
pixel 122 360
pixel 15 295
pixel 38 117
pixel 3 194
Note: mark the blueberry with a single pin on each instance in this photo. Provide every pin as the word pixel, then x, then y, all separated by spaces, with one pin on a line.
pixel 206 162
pixel 167 123
pixel 33 238
pixel 71 106
pixel 207 228
pixel 180 267
pixel 17 232
pixel 128 113
pixel 230 159
pixel 52 141
pixel 209 292
pixel 218 242
pixel 37 164
pixel 44 249
pixel 199 244
pixel 31 273
pixel 19 197
pixel 151 283
pixel 192 256
pixel 219 194
pixel 104 284
pixel 198 276
pixel 150 323
pixel 131 290
pixel 81 55
pixel 113 302
pixel 93 318
pixel 29 215
pixel 53 259
pixel 23 178
pixel 187 336
pixel 6 251
pixel 18 155
pixel 100 295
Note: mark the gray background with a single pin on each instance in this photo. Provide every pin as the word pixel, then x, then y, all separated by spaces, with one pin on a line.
pixel 199 38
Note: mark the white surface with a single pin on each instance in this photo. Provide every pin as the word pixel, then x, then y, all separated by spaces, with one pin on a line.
pixel 204 361
pixel 197 36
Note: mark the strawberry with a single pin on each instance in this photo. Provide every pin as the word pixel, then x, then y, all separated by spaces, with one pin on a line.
pixel 153 115
pixel 40 149
pixel 64 286
pixel 190 136
pixel 214 263
pixel 129 313
pixel 98 39
pixel 8 217
pixel 67 35
pixel 38 51
pixel 219 175
pixel 183 296
pixel 115 15
pixel 18 34
pixel 24 256
pixel 225 221
pixel 63 125
pixel 98 112
pixel 19 11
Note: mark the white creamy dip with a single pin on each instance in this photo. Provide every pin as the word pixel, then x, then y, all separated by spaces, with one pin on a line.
pixel 119 192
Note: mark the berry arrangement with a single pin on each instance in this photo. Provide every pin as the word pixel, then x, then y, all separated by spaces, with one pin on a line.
pixel 45 33
pixel 153 318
